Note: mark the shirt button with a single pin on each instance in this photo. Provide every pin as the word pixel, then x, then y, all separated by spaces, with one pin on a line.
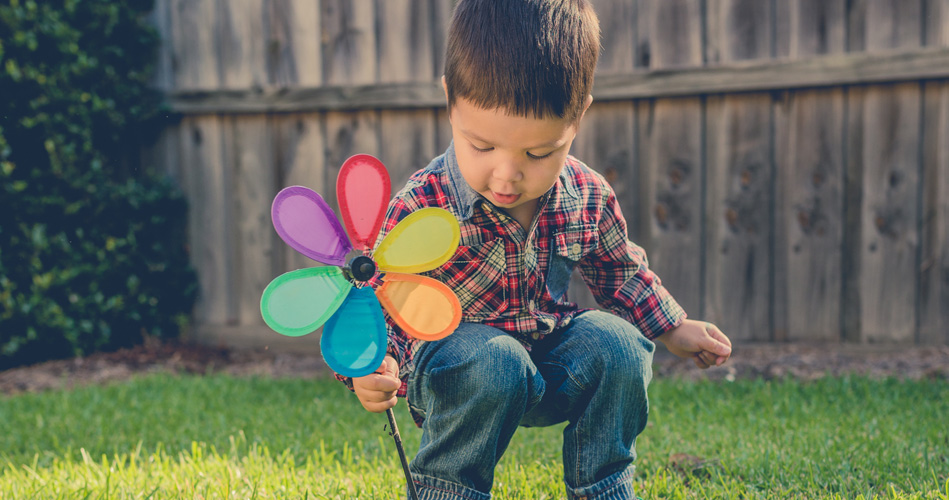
pixel 532 305
pixel 575 249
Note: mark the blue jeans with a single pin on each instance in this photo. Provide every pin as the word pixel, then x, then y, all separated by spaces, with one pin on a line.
pixel 476 386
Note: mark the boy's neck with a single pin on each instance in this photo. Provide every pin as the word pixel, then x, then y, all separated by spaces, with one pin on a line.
pixel 524 213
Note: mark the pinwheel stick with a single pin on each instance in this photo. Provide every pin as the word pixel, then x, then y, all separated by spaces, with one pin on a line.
pixel 398 444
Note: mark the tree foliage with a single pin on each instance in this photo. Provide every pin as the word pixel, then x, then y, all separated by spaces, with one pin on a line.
pixel 92 253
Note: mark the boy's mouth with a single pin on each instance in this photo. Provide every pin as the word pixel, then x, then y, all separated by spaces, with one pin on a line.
pixel 505 199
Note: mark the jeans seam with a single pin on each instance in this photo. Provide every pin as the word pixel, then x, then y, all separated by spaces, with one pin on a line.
pixel 577 450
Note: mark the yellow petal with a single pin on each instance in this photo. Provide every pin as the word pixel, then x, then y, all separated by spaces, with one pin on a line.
pixel 424 240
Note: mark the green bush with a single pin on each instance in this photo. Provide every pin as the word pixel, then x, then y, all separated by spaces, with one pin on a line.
pixel 92 253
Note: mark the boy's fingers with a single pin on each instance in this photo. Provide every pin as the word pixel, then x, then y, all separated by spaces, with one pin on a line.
pixel 716 342
pixel 378 397
pixel 707 358
pixel 389 366
pixel 380 383
pixel 699 362
pixel 380 406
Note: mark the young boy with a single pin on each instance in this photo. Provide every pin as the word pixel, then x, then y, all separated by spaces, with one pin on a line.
pixel 518 77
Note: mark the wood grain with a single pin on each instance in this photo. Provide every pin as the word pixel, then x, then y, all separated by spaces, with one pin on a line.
pixel 740 180
pixel 809 195
pixel 882 238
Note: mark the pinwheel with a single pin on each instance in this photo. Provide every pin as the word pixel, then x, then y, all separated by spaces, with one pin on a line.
pixel 334 296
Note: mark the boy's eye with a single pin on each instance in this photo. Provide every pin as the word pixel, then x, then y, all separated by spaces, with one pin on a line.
pixel 481 150
pixel 539 157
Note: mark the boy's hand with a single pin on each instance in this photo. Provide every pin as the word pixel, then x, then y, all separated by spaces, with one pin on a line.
pixel 377 391
pixel 700 340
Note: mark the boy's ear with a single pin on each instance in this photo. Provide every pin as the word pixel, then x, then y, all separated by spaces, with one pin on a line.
pixel 586 106
pixel 445 90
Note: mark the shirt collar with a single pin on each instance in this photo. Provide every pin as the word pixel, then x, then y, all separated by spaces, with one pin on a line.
pixel 466 197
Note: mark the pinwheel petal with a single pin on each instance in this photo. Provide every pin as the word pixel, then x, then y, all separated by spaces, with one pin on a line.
pixel 423 307
pixel 362 189
pixel 299 302
pixel 304 220
pixel 354 339
pixel 422 241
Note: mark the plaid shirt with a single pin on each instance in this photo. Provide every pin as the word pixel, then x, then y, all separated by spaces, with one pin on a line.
pixel 515 279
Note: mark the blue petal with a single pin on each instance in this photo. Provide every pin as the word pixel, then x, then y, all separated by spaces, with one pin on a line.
pixel 354 339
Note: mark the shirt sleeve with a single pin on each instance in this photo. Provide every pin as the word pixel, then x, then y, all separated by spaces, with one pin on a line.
pixel 618 274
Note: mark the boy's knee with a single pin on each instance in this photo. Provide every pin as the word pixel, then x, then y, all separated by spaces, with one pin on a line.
pixel 622 350
pixel 497 368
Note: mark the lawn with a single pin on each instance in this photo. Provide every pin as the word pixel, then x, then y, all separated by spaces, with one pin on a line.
pixel 165 436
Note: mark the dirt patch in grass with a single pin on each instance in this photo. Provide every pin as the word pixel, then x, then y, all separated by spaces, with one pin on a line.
pixel 806 362
pixel 812 361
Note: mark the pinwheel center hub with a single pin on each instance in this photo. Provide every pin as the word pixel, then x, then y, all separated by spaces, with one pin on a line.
pixel 363 268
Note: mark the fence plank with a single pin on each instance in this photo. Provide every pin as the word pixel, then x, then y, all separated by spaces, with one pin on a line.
pixel 250 155
pixel 937 23
pixel 809 228
pixel 934 266
pixel 876 25
pixel 669 34
pixel 205 181
pixel 405 41
pixel 883 163
pixel 670 170
pixel 934 257
pixel 883 168
pixel 738 30
pixel 242 41
pixel 807 28
pixel 294 51
pixel 740 179
pixel 194 45
pixel 809 196
pixel 349 42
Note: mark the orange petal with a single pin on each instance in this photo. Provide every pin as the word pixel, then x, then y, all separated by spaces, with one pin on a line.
pixel 423 307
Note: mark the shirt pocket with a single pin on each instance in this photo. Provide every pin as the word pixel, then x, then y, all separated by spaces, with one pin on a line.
pixel 568 248
pixel 477 275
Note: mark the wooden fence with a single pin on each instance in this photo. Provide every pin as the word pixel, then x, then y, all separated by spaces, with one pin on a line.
pixel 784 162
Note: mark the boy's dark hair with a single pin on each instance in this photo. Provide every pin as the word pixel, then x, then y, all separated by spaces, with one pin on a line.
pixel 532 57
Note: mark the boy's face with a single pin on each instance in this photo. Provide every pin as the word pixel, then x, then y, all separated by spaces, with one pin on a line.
pixel 510 160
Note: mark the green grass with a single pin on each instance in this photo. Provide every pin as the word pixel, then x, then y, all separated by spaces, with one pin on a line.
pixel 164 436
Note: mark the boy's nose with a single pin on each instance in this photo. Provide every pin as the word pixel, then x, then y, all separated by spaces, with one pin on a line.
pixel 508 171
